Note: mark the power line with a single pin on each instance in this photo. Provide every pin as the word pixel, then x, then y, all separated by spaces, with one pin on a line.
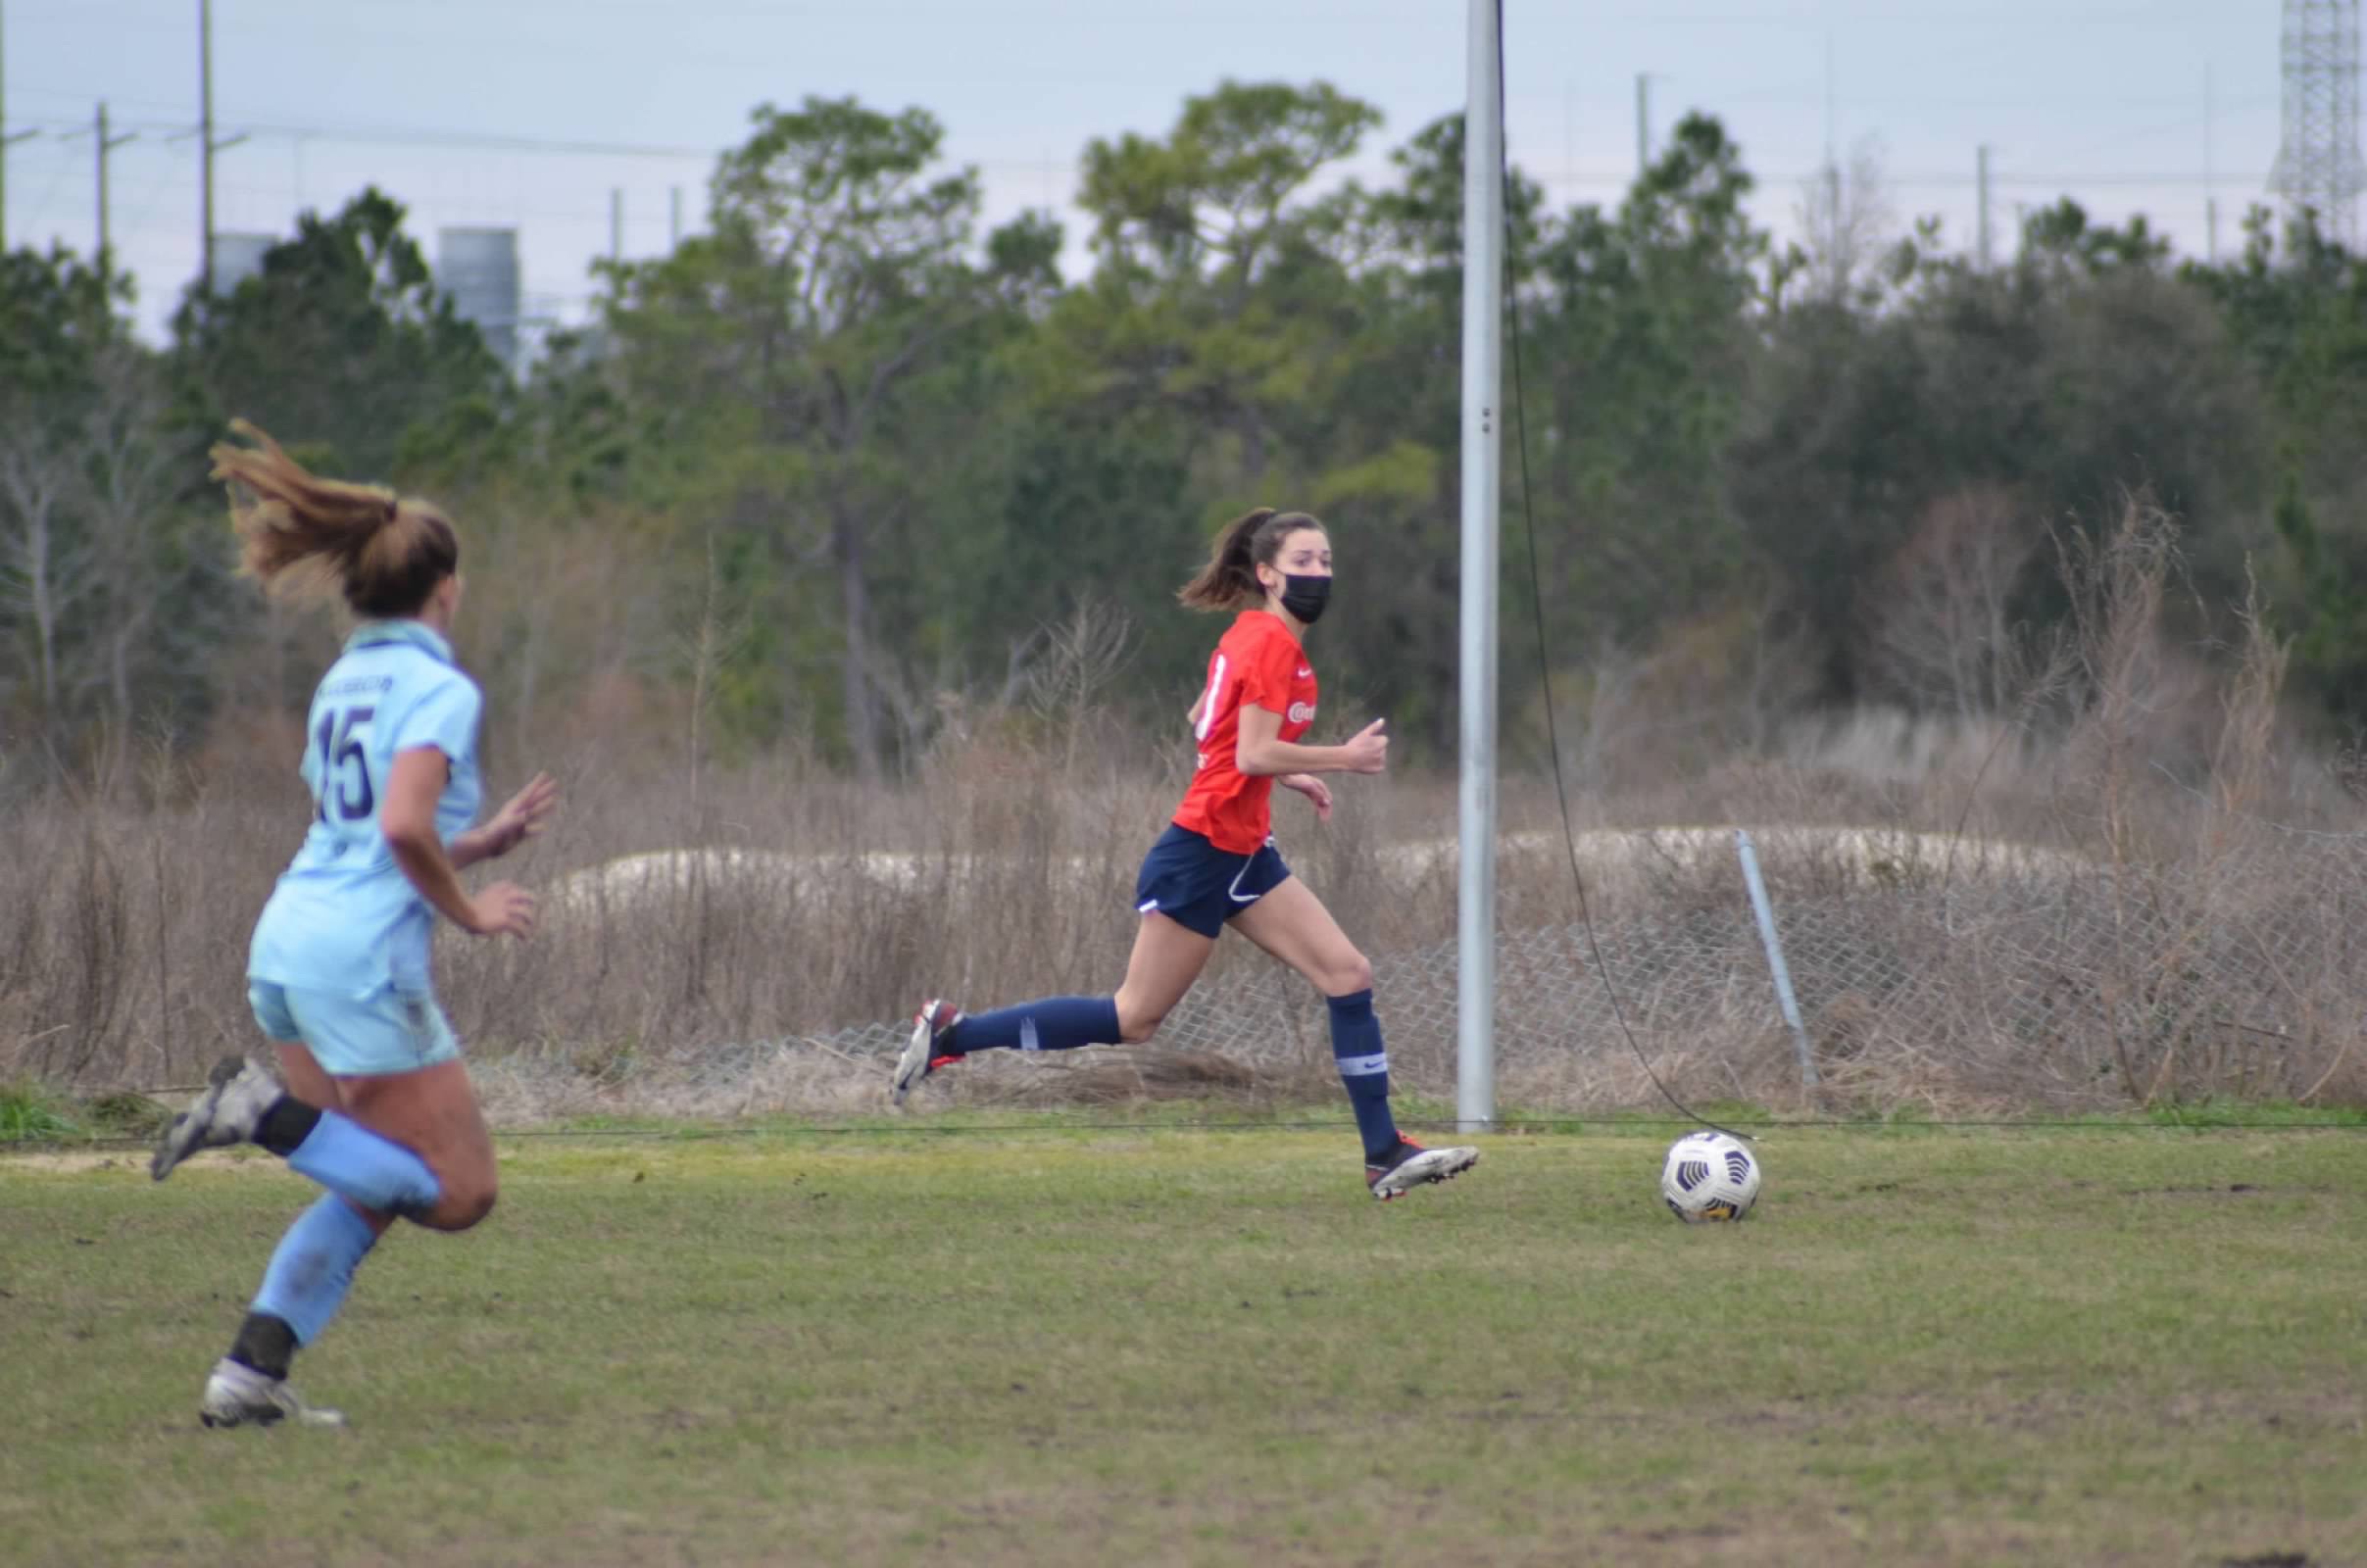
pixel 498 141
pixel 2205 115
pixel 57 175
pixel 474 141
pixel 480 141
pixel 1142 15
pixel 1809 93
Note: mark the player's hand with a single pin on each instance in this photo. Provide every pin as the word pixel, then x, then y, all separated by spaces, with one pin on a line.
pixel 1314 788
pixel 1368 751
pixel 527 815
pixel 503 909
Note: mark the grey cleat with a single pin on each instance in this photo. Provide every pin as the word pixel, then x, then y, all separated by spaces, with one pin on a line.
pixel 238 1395
pixel 238 1091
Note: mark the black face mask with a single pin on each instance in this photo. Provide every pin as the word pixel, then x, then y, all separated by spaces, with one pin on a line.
pixel 1304 597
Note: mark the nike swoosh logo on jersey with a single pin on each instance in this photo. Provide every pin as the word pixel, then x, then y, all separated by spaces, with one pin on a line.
pixel 1306 674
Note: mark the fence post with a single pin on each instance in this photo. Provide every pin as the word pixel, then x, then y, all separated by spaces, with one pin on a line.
pixel 1764 913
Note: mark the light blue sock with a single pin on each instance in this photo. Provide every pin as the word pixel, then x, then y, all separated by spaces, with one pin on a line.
pixel 1363 1062
pixel 314 1266
pixel 374 1172
pixel 1056 1023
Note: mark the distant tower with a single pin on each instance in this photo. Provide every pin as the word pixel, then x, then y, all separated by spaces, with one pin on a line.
pixel 479 269
pixel 2319 165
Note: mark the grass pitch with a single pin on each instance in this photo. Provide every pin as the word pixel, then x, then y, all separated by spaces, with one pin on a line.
pixel 1159 1345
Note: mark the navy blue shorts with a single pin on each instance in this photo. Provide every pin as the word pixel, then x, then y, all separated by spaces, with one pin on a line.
pixel 1199 886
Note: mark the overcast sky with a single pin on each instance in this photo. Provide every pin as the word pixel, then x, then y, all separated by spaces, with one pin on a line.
pixel 2126 106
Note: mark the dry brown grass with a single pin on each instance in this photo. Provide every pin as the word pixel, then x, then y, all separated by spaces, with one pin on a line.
pixel 2133 887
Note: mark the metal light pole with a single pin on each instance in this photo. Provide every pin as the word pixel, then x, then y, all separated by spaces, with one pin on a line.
pixel 1483 389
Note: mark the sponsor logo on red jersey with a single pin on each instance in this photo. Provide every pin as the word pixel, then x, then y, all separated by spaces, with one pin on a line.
pixel 1258 664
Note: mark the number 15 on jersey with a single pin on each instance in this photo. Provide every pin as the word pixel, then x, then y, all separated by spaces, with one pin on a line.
pixel 345 792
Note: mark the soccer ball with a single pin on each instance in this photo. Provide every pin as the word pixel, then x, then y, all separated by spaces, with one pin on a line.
pixel 1708 1176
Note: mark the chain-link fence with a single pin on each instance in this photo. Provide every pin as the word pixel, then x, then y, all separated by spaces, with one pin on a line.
pixel 1993 973
pixel 2212 955
pixel 1925 969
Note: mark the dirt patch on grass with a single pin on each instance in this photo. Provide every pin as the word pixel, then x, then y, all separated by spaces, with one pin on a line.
pixel 2308 1409
pixel 1083 1524
pixel 128 1157
pixel 72 1164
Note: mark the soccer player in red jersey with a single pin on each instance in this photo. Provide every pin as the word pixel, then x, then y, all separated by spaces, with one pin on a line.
pixel 1216 863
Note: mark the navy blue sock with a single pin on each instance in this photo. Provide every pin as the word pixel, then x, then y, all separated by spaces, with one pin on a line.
pixel 314 1266
pixel 1356 1043
pixel 1056 1023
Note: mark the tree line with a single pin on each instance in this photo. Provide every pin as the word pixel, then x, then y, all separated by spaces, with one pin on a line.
pixel 850 469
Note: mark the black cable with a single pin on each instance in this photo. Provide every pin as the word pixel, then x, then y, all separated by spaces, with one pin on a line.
pixel 1528 530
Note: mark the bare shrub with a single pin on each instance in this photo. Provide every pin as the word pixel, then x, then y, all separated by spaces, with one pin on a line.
pixel 1941 611
pixel 2134 888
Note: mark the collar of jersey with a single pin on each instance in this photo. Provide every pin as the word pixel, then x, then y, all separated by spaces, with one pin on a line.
pixel 387 633
pixel 1285 626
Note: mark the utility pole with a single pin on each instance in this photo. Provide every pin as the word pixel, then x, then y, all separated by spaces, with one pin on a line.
pixel 1832 155
pixel 103 145
pixel 1642 123
pixel 1984 222
pixel 2210 180
pixel 674 218
pixel 1569 128
pixel 207 144
pixel 616 223
pixel 1832 107
pixel 7 140
pixel 205 148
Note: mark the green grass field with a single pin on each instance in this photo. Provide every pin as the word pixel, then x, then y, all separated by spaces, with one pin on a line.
pixel 1162 1346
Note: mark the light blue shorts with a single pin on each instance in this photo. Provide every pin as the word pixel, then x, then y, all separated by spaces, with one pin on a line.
pixel 389 1031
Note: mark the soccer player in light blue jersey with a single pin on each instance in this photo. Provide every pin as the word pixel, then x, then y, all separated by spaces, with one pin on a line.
pixel 378 1108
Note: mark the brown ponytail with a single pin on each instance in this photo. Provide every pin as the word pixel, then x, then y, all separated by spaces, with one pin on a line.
pixel 387 553
pixel 1250 541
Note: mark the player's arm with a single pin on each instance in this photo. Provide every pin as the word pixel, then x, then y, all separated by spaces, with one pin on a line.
pixel 1260 748
pixel 407 817
pixel 1314 788
pixel 527 815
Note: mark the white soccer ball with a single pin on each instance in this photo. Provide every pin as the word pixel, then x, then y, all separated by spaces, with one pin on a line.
pixel 1710 1176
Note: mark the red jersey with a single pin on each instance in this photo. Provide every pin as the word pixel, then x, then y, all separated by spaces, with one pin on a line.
pixel 1257 662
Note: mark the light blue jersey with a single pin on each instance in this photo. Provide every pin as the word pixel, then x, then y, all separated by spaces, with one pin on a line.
pixel 344 919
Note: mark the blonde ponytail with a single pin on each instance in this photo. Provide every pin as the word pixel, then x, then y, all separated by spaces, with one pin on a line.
pixel 384 552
